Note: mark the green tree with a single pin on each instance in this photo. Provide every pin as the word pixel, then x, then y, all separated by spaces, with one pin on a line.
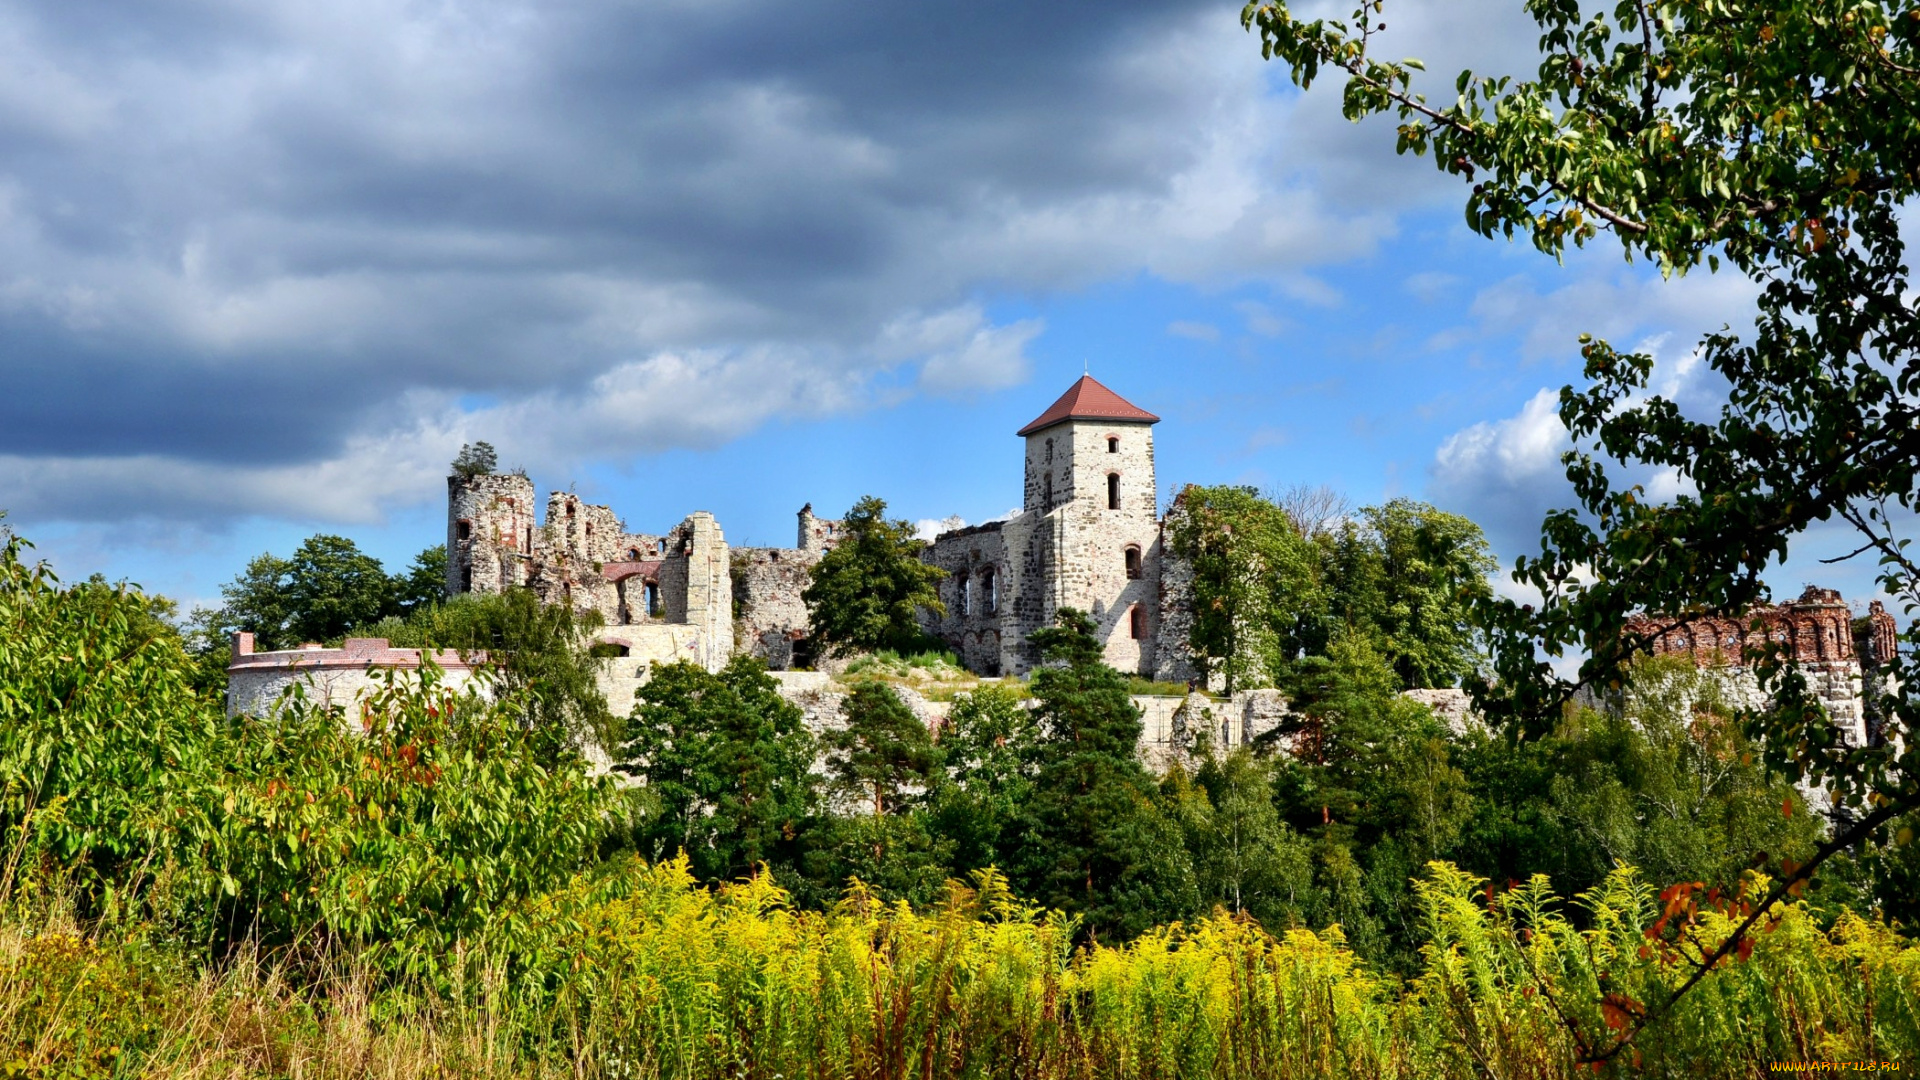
pixel 727 766
pixel 884 754
pixel 1253 581
pixel 256 602
pixel 1771 136
pixel 1245 858
pixel 1096 841
pixel 475 459
pixel 332 587
pixel 1413 578
pixel 990 751
pixel 425 582
pixel 866 593
pixel 540 654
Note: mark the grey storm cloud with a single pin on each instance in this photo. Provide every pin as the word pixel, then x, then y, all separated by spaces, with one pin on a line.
pixel 247 244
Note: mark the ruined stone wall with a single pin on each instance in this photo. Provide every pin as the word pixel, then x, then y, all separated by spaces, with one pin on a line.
pixel 1815 631
pixel 974 592
pixel 1172 653
pixel 490 532
pixel 817 534
pixel 257 682
pixel 771 617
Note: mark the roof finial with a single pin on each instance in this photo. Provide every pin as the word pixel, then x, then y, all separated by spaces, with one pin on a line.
pixel 1086 366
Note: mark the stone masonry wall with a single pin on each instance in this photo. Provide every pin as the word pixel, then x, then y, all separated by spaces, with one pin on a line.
pixel 974 591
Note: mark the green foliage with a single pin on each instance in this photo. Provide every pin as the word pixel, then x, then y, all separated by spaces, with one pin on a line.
pixel 475 459
pixel 327 588
pixel 1096 841
pixel 883 754
pixel 400 831
pixel 989 751
pixel 866 593
pixel 425 582
pixel 1253 582
pixel 727 765
pixel 541 655
pixel 1412 578
pixel 1245 858
pixel 1771 135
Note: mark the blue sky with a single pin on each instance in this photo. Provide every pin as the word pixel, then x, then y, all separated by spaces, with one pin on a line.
pixel 264 266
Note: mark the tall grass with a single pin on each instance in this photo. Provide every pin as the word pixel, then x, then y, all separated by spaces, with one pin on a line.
pixel 642 973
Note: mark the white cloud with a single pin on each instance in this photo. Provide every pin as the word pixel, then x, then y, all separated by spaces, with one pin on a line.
pixel 1194 331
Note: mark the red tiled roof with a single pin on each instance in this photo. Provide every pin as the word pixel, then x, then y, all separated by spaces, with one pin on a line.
pixel 1088 400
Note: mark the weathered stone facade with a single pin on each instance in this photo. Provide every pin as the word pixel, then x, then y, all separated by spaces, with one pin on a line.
pixel 663 596
pixel 770 618
pixel 1840 657
pixel 1088 536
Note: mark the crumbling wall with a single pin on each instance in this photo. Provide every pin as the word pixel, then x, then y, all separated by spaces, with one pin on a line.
pixel 771 617
pixel 973 591
pixel 1816 632
pixel 490 532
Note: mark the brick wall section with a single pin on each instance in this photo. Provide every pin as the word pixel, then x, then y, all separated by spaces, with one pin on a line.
pixel 1816 631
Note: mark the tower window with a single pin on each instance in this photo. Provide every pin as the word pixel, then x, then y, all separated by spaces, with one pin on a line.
pixel 463 530
pixel 466 579
pixel 1133 562
pixel 1046 502
pixel 966 596
pixel 1113 491
pixel 1136 622
pixel 989 599
pixel 1113 444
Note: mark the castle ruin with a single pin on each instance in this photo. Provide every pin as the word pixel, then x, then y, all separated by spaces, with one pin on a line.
pixel 1088 535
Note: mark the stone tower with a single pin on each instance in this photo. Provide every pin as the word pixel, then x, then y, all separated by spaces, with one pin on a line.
pixel 1092 517
pixel 490 532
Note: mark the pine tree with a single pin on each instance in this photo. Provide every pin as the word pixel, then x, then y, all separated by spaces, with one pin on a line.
pixel 884 754
pixel 1096 840
pixel 727 763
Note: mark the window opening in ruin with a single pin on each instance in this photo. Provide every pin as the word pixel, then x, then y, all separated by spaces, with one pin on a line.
pixel 966 597
pixel 1137 622
pixel 989 597
pixel 1113 491
pixel 1113 444
pixel 633 554
pixel 463 530
pixel 466 579
pixel 1133 562
pixel 661 546
pixel 529 540
pixel 569 509
pixel 1046 503
pixel 650 594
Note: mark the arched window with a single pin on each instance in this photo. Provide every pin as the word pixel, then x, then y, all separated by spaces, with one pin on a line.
pixel 463 530
pixel 965 595
pixel 1133 562
pixel 989 598
pixel 1113 491
pixel 1113 444
pixel 1136 622
pixel 660 546
pixel 633 554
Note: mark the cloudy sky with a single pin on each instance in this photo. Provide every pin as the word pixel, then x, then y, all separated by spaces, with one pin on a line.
pixel 265 265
